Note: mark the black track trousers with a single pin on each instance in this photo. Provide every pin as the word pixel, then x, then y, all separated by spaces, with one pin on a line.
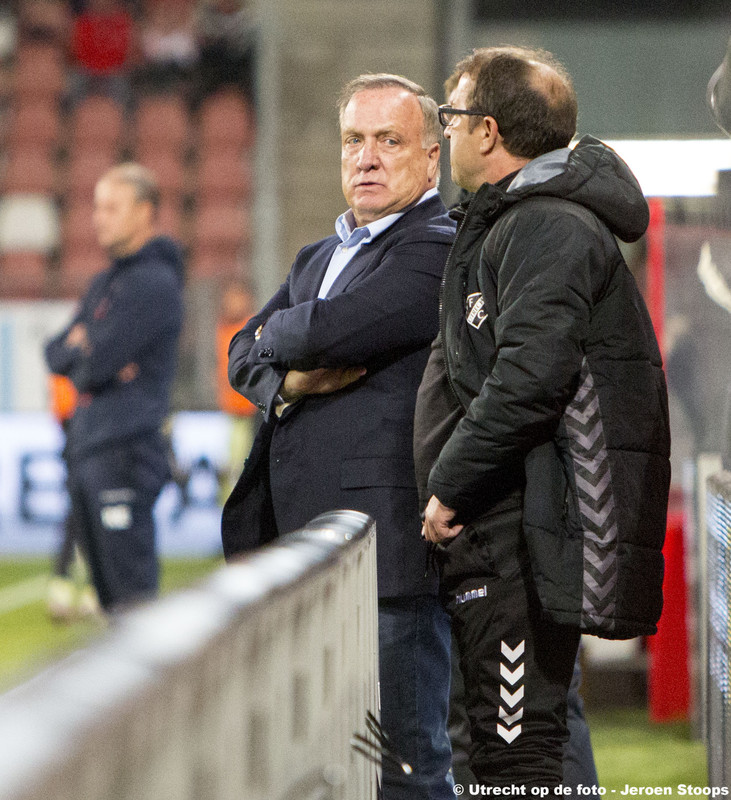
pixel 517 666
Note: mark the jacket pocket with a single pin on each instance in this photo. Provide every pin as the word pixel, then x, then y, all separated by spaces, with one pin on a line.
pixel 489 547
pixel 359 473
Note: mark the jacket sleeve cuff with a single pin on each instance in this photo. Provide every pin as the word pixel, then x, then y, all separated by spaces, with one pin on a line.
pixel 263 389
pixel 447 494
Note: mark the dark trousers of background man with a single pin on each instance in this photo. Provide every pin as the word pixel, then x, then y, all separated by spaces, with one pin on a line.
pixel 113 491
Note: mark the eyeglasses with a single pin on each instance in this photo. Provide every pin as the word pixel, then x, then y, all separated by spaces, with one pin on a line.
pixel 447 114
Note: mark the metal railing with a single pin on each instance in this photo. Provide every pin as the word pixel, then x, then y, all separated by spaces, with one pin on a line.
pixel 247 687
pixel 718 688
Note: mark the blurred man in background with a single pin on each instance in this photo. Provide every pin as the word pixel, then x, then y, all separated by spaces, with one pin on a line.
pixel 334 361
pixel 120 352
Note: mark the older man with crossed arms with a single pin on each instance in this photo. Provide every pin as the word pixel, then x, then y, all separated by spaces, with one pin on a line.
pixel 334 361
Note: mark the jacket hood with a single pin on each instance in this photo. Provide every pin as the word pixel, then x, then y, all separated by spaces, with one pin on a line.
pixel 594 176
pixel 160 249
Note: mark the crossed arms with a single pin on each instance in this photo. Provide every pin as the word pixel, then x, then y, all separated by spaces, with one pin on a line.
pixel 320 346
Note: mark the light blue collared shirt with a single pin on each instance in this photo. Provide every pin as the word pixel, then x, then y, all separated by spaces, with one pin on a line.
pixel 352 239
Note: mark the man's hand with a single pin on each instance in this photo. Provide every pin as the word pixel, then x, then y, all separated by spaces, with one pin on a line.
pixel 318 381
pixel 78 337
pixel 436 522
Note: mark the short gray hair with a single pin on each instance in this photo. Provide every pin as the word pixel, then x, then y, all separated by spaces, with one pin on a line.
pixel 432 131
pixel 142 179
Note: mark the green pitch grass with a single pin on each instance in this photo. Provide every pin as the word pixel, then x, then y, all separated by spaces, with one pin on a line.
pixel 30 640
pixel 631 751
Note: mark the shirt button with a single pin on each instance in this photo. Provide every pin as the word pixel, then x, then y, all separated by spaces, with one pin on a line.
pixel 266 352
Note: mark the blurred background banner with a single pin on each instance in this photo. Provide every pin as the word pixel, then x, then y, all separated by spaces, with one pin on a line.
pixel 33 501
pixel 25 326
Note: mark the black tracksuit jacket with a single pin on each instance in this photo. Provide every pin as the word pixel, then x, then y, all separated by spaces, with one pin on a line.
pixel 551 353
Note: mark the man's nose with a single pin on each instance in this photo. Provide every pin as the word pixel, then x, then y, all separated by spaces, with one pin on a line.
pixel 368 156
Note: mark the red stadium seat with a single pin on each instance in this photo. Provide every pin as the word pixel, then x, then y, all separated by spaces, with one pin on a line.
pixel 226 122
pixel 23 275
pixel 39 72
pixel 162 122
pixel 85 167
pixel 223 176
pixel 78 267
pixel 30 170
pixel 77 232
pixel 222 264
pixel 221 227
pixel 170 220
pixel 34 122
pixel 170 170
pixel 97 122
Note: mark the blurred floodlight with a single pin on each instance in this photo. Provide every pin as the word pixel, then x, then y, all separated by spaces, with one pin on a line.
pixel 675 167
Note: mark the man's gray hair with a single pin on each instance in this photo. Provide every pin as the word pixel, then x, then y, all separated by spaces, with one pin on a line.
pixel 432 131
pixel 142 179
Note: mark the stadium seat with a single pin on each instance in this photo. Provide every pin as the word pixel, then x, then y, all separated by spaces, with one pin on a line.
pixel 30 170
pixel 221 227
pixel 170 220
pixel 23 274
pixel 163 122
pixel 46 21
pixel 96 122
pixel 39 72
pixel 28 222
pixel 223 175
pixel 78 267
pixel 85 167
pixel 34 122
pixel 214 263
pixel 78 231
pixel 226 122
pixel 170 170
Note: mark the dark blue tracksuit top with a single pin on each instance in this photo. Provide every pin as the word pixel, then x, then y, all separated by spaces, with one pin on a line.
pixel 133 314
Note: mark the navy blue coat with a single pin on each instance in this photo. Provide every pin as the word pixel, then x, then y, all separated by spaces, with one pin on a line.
pixel 352 448
pixel 133 313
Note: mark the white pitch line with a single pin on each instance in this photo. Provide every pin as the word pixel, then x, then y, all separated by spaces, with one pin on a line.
pixel 22 594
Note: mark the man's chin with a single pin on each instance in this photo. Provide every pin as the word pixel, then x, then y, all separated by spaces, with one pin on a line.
pixel 112 249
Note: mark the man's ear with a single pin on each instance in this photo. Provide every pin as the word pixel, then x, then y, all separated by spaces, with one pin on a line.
pixel 432 153
pixel 148 213
pixel 489 134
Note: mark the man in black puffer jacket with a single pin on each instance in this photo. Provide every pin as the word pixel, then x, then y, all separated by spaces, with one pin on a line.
pixel 541 436
pixel 120 352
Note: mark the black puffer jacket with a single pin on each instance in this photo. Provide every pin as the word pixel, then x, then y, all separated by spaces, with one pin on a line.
pixel 551 352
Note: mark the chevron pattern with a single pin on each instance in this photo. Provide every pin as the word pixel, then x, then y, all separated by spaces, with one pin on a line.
pixel 512 691
pixel 593 476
